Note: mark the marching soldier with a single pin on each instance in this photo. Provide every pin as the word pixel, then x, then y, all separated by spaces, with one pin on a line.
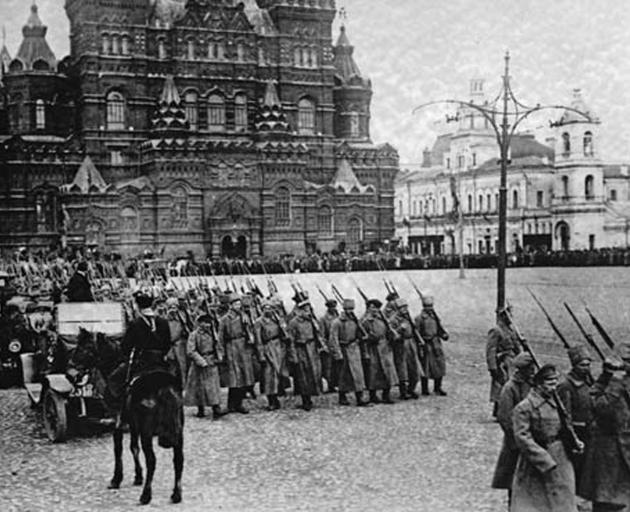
pixel 606 470
pixel 406 352
pixel 501 349
pixel 544 480
pixel 575 392
pixel 234 337
pixel 346 332
pixel 432 332
pixel 514 392
pixel 271 339
pixel 390 304
pixel 330 360
pixel 382 369
pixel 202 385
pixel 303 355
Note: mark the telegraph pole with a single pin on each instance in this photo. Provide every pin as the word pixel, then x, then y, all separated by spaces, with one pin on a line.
pixel 504 115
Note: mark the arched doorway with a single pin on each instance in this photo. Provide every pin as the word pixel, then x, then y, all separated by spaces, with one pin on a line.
pixel 227 247
pixel 564 234
pixel 240 251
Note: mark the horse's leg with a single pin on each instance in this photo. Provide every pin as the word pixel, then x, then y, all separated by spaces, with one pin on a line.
pixel 178 466
pixel 118 463
pixel 146 439
pixel 135 451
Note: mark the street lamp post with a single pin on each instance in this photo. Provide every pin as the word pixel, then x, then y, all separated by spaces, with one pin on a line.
pixel 504 115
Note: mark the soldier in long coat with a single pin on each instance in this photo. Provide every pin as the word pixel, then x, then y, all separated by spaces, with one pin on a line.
pixel 575 392
pixel 432 332
pixel 303 354
pixel 331 360
pixel 606 474
pixel 202 384
pixel 234 337
pixel 406 356
pixel 345 331
pixel 179 337
pixel 544 480
pixel 382 369
pixel 514 392
pixel 269 331
pixel 501 349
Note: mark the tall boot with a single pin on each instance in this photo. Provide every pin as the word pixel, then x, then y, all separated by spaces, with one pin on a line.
pixel 274 403
pixel 424 383
pixel 437 387
pixel 217 412
pixel 231 399
pixel 307 402
pixel 343 399
pixel 360 401
pixel 411 390
pixel 387 399
pixel 238 401
pixel 373 398
pixel 403 390
pixel 201 411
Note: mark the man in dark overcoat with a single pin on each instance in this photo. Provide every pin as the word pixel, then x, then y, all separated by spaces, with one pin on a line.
pixel 332 358
pixel 606 472
pixel 79 288
pixel 432 332
pixel 406 357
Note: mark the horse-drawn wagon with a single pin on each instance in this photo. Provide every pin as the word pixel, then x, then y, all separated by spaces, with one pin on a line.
pixel 65 377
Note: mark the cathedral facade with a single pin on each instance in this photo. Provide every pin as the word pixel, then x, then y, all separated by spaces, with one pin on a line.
pixel 222 127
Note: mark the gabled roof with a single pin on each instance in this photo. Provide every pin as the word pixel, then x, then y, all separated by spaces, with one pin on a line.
pixel 87 179
pixel 346 180
pixel 34 48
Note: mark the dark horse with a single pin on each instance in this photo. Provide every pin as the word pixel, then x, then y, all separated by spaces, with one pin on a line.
pixel 151 405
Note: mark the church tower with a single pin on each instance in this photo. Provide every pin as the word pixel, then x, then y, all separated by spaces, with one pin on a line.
pixel 579 182
pixel 352 93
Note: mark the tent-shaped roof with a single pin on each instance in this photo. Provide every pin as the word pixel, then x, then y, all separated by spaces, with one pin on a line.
pixel 346 179
pixel 34 52
pixel 346 69
pixel 87 179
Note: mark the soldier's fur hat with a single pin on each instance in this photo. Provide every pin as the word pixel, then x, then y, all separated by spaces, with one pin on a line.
pixel 374 302
pixel 391 296
pixel 401 303
pixel 577 354
pixel 348 304
pixel 331 303
pixel 427 301
pixel 204 318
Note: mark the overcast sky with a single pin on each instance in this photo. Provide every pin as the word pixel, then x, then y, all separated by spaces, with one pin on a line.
pixel 420 50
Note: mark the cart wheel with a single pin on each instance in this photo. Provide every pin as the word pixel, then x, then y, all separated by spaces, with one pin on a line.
pixel 55 418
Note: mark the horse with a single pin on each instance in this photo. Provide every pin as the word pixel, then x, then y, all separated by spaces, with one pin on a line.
pixel 152 406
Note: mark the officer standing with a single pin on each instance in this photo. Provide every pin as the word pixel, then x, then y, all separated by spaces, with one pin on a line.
pixel 234 337
pixel 346 332
pixel 331 360
pixel 432 332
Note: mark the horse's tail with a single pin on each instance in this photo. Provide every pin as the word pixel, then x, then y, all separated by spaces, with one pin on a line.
pixel 170 417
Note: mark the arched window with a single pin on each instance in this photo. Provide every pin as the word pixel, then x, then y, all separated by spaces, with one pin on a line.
pixel 115 111
pixel 489 202
pixel 192 111
pixel 306 58
pixel 106 44
pixel 297 57
pixel 324 220
pixel 496 201
pixel 126 46
pixel 565 186
pixel 480 204
pixel 115 45
pixel 129 218
pixel 306 116
pixel 190 49
pixel 40 115
pixel 566 144
pixel 41 65
pixel 161 49
pixel 415 208
pixel 240 112
pixel 216 113
pixel 240 52
pixel 470 203
pixel 221 50
pixel 213 50
pixel 16 65
pixel 443 205
pixel 283 207
pixel 588 144
pixel 355 233
pixel 589 184
pixel 354 124
pixel 613 195
pixel 179 214
pixel 515 199
pixel 314 58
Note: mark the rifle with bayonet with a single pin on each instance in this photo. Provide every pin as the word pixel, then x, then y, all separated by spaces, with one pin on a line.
pixel 600 328
pixel 587 336
pixel 575 444
pixel 351 315
pixel 550 320
pixel 391 332
pixel 435 315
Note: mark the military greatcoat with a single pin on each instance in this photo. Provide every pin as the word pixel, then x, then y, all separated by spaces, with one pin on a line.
pixel 434 364
pixel 382 369
pixel 202 385
pixel 606 473
pixel 238 356
pixel 408 366
pixel 544 480
pixel 345 333
pixel 514 391
pixel 501 349
pixel 303 354
pixel 273 353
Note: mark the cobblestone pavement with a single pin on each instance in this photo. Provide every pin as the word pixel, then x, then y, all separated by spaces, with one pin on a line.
pixel 431 454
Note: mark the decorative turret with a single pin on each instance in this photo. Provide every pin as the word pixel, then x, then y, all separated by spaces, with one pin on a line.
pixel 170 117
pixel 5 56
pixel 352 93
pixel 271 116
pixel 34 53
pixel 576 134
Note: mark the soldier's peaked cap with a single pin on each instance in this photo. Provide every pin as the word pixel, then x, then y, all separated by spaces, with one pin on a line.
pixel 331 303
pixel 374 302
